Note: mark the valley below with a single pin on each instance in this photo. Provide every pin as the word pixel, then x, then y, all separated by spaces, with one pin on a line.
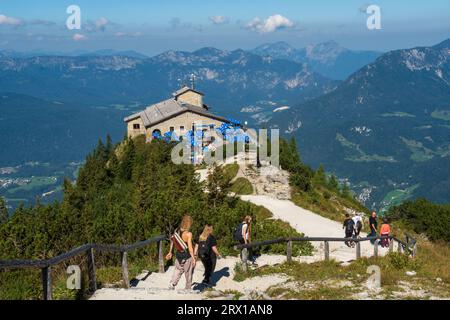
pixel 384 130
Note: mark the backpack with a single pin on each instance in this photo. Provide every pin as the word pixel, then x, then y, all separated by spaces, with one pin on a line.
pixel 178 242
pixel 237 235
pixel 203 250
pixel 358 225
pixel 349 226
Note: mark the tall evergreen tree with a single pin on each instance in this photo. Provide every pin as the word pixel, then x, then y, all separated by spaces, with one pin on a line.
pixel 218 185
pixel 333 183
pixel 4 216
pixel 320 178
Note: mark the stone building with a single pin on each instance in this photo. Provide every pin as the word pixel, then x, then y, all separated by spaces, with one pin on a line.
pixel 183 112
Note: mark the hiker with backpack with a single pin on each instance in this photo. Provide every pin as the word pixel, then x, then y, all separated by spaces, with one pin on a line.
pixel 184 253
pixel 349 226
pixel 208 253
pixel 242 233
pixel 358 224
pixel 385 231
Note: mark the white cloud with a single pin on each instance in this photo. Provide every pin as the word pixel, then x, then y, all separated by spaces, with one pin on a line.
pixel 218 20
pixel 10 21
pixel 271 24
pixel 79 37
pixel 126 34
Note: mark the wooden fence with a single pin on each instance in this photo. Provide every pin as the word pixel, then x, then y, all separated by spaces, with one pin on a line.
pixel 409 246
pixel 88 249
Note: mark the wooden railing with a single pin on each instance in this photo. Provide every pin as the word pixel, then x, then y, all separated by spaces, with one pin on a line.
pixel 410 246
pixel 88 249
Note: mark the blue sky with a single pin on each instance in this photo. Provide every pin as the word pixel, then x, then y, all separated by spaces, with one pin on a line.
pixel 154 26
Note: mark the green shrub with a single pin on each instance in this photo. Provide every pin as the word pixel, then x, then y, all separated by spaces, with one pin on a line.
pixel 242 186
pixel 230 170
pixel 425 217
pixel 398 261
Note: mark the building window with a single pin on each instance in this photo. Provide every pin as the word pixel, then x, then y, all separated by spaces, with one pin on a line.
pixel 181 128
pixel 172 129
pixel 136 126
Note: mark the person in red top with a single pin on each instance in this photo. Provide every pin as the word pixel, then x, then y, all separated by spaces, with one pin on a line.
pixel 385 231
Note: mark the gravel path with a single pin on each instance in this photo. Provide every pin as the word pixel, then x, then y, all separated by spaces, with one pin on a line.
pixel 154 286
pixel 313 225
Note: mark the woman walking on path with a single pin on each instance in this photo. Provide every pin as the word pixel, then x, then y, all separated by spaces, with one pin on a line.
pixel 246 236
pixel 207 252
pixel 185 258
pixel 385 231
pixel 242 234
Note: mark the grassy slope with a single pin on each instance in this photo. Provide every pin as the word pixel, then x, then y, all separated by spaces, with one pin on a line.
pixel 330 280
pixel 327 203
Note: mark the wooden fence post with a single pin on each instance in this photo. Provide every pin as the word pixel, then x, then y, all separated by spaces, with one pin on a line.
pixel 358 249
pixel 375 248
pixel 391 245
pixel 244 257
pixel 160 256
pixel 47 283
pixel 327 250
pixel 91 270
pixel 289 251
pixel 414 251
pixel 125 269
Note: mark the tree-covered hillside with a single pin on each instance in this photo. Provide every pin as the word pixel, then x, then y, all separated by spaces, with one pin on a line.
pixel 124 194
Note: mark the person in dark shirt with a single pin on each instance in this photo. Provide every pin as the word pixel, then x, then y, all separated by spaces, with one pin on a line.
pixel 373 224
pixel 207 252
pixel 349 226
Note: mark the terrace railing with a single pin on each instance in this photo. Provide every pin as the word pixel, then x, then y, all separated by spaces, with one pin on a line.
pixel 88 250
pixel 410 246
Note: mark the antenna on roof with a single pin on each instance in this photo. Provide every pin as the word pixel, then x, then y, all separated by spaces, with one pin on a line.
pixel 193 77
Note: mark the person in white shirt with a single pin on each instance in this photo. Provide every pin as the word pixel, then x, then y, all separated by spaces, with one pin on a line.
pixel 358 223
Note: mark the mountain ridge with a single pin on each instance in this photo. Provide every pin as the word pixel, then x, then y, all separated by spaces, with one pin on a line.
pixel 327 58
pixel 385 127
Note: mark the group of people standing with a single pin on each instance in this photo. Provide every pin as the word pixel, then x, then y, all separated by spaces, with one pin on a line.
pixel 353 226
pixel 187 253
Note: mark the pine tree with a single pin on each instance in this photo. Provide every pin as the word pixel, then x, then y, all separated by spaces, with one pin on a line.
pixel 333 183
pixel 109 145
pixel 320 178
pixel 218 186
pixel 294 151
pixel 4 216
pixel 127 160
pixel 345 191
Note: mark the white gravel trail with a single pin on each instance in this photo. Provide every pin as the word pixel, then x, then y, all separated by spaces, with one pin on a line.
pixel 154 286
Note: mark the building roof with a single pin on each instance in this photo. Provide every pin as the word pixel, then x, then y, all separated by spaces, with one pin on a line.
pixel 185 89
pixel 167 109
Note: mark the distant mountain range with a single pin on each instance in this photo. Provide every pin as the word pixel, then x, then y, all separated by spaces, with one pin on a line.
pixel 76 53
pixel 329 58
pixel 386 128
pixel 232 80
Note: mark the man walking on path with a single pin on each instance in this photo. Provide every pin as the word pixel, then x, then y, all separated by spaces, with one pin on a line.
pixel 349 226
pixel 373 226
